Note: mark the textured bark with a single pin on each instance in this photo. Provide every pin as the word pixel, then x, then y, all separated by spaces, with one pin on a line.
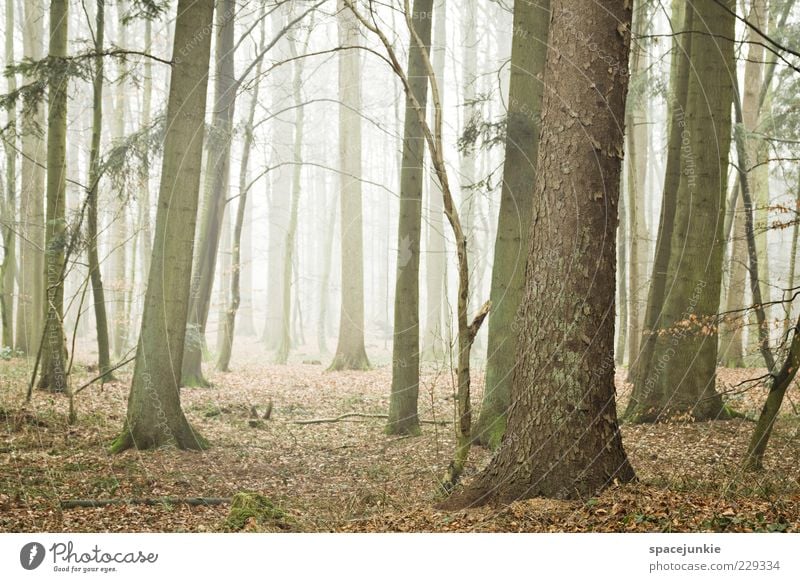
pixel 403 417
pixel 681 375
pixel 31 268
pixel 528 53
pixel 53 375
pixel 563 439
pixel 154 416
pixel 146 231
pixel 350 351
pixel 98 292
pixel 218 151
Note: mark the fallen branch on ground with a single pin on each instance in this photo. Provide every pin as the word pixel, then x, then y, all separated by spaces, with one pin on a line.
pixel 72 503
pixel 349 415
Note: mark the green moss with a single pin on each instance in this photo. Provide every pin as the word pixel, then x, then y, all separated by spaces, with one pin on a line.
pixel 248 505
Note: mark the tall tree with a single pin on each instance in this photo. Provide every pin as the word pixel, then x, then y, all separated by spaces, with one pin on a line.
pixel 154 417
pixel 563 439
pixel 433 344
pixel 640 368
pixel 53 371
pixel 8 266
pixel 403 418
pixel 31 269
pixel 98 292
pixel 528 53
pixel 682 371
pixel 237 268
pixel 217 174
pixel 350 351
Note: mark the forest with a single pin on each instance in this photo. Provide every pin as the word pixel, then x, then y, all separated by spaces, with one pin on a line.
pixel 399 266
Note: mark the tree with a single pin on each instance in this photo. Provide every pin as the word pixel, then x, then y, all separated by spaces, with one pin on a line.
pixel 8 266
pixel 218 152
pixel 350 351
pixel 563 439
pixel 403 417
pixel 229 322
pixel 53 372
pixel 681 373
pixel 98 293
pixel 528 53
pixel 30 308
pixel 154 416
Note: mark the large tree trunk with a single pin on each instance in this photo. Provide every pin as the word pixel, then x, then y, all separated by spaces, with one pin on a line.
pixel 154 417
pixel 98 293
pixel 528 53
pixel 54 351
pixel 680 382
pixel 403 417
pixel 563 439
pixel 31 272
pixel 218 152
pixel 350 351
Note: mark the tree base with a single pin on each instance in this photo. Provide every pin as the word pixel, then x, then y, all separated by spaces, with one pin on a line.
pixel 195 381
pixel 182 437
pixel 358 362
pixel 408 428
pixel 490 430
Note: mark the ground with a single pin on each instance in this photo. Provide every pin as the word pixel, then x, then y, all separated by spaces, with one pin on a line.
pixel 349 475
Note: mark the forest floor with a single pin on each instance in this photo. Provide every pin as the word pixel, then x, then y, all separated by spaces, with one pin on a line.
pixel 349 475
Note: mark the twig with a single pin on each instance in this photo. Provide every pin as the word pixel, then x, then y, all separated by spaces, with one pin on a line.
pixel 356 415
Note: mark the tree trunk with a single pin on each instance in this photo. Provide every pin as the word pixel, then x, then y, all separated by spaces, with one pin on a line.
pixel 9 265
pixel 218 151
pixel 350 351
pixel 563 439
pixel 154 417
pixel 680 382
pixel 433 345
pixel 636 162
pixel 403 418
pixel 31 273
pixel 98 293
pixel 229 323
pixel 53 372
pixel 678 84
pixel 528 54
pixel 284 347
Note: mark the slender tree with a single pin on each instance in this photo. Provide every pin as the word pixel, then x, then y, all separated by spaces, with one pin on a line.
pixel 98 293
pixel 216 195
pixel 563 439
pixel 528 53
pixel 8 267
pixel 154 416
pixel 350 351
pixel 30 307
pixel 403 418
pixel 53 370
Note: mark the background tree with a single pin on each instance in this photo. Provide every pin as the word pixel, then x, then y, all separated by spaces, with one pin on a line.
pixel 350 351
pixel 528 53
